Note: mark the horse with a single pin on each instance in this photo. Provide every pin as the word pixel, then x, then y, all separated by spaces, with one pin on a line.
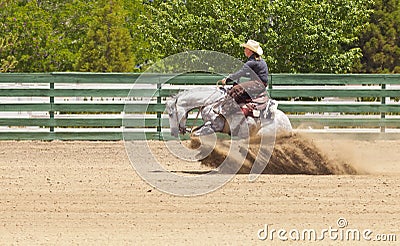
pixel 206 99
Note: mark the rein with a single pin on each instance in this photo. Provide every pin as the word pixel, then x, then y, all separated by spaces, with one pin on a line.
pixel 198 113
pixel 176 113
pixel 195 119
pixel 202 107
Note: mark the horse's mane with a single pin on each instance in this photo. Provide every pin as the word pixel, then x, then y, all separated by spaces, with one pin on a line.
pixel 195 89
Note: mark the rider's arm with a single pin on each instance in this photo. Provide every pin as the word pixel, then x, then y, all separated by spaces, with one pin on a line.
pixel 243 72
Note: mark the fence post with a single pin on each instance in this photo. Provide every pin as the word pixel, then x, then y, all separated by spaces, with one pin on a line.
pixel 159 113
pixel 383 102
pixel 270 87
pixel 51 112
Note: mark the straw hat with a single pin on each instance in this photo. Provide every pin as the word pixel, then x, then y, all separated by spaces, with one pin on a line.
pixel 253 46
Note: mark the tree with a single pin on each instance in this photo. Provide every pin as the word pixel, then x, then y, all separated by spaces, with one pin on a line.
pixel 317 36
pixel 48 34
pixel 380 41
pixel 107 47
pixel 69 22
pixel 35 46
pixel 140 48
pixel 297 36
pixel 113 35
pixel 7 61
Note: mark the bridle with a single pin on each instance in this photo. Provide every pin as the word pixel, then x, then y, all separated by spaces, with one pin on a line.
pixel 183 130
pixel 177 116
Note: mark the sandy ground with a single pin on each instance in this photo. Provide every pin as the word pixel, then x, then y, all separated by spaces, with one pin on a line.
pixel 88 193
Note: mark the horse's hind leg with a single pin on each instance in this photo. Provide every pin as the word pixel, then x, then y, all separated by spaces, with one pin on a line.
pixel 209 127
pixel 218 124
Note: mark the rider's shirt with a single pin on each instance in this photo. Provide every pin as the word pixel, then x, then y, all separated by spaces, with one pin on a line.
pixel 254 68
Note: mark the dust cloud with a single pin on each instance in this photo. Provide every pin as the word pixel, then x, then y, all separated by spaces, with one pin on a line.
pixel 294 154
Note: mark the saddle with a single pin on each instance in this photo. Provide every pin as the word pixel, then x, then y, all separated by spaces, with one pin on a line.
pixel 255 106
pixel 251 108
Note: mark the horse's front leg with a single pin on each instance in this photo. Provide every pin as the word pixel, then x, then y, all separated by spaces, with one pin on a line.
pixel 213 122
pixel 216 121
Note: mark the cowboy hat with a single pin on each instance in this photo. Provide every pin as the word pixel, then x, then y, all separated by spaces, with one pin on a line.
pixel 253 46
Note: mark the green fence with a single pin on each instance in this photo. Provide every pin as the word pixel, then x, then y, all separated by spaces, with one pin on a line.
pixel 92 106
pixel 359 100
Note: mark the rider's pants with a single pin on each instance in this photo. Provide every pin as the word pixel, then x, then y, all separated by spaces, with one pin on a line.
pixel 244 92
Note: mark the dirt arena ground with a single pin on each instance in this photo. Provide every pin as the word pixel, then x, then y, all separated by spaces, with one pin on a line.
pixel 88 193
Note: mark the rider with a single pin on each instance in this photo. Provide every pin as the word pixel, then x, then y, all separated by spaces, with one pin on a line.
pixel 243 92
pixel 255 68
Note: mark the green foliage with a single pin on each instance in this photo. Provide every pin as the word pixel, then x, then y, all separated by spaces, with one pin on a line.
pixel 114 35
pixel 380 42
pixel 70 22
pixel 35 43
pixel 7 61
pixel 171 27
pixel 107 47
pixel 140 48
pixel 51 34
pixel 316 36
pixel 297 36
pixel 48 33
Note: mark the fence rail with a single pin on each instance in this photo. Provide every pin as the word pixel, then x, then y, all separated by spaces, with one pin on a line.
pixel 103 106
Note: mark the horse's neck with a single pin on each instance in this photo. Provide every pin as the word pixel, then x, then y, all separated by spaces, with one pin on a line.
pixel 194 99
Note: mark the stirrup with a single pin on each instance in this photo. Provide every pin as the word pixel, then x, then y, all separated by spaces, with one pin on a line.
pixel 273 106
pixel 271 109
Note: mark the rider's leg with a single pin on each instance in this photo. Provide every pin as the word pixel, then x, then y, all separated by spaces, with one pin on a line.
pixel 246 91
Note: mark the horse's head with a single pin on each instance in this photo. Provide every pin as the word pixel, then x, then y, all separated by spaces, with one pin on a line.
pixel 173 116
pixel 185 101
pixel 177 117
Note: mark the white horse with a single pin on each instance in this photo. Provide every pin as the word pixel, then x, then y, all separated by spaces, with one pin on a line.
pixel 205 99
